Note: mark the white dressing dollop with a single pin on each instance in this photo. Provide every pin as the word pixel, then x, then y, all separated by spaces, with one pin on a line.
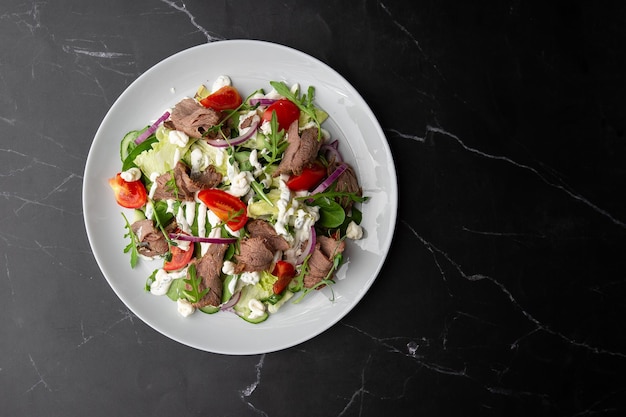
pixel 184 307
pixel 228 268
pixel 221 81
pixel 178 138
pixel 250 278
pixel 354 231
pixel 257 308
pixel 163 280
pixel 131 174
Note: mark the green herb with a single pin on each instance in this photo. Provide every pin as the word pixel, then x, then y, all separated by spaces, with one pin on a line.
pixel 331 213
pixel 275 143
pixel 297 283
pixel 132 246
pixel 161 225
pixel 151 279
pixel 194 295
pixel 258 189
pixel 171 185
pixel 333 194
pixel 304 103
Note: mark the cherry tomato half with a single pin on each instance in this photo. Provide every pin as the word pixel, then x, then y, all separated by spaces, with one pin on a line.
pixel 180 258
pixel 226 206
pixel 285 273
pixel 226 98
pixel 128 194
pixel 311 176
pixel 286 113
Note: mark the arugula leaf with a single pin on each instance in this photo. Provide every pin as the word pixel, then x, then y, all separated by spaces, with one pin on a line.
pixel 132 246
pixel 194 294
pixel 297 283
pixel 171 185
pixel 276 143
pixel 258 189
pixel 333 194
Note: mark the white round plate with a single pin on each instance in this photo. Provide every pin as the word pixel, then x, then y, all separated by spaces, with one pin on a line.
pixel 251 65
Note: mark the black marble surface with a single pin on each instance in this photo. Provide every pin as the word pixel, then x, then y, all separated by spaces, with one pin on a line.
pixel 503 293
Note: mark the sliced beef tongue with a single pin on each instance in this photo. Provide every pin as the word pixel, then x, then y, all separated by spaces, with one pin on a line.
pixel 254 255
pixel 191 117
pixel 186 185
pixel 209 268
pixel 263 229
pixel 321 261
pixel 151 240
pixel 347 182
pixel 301 151
pixel 209 178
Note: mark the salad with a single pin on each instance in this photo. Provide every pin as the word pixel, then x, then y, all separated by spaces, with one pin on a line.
pixel 244 204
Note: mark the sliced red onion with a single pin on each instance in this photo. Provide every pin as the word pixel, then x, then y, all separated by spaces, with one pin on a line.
pixel 310 246
pixel 225 143
pixel 330 179
pixel 262 101
pixel 198 239
pixel 332 149
pixel 230 303
pixel 152 128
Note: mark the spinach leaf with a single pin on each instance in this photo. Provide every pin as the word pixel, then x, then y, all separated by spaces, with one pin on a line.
pixel 332 214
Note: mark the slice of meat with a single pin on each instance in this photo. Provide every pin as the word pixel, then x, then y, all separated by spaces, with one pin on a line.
pixel 347 182
pixel 209 268
pixel 151 240
pixel 191 117
pixel 321 261
pixel 209 178
pixel 263 229
pixel 185 186
pixel 301 151
pixel 254 255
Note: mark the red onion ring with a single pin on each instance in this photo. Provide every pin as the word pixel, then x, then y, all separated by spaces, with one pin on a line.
pixel 198 239
pixel 332 150
pixel 152 128
pixel 225 143
pixel 261 101
pixel 230 303
pixel 330 179
pixel 310 246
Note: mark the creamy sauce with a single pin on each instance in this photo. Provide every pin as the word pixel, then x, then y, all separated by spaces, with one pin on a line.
pixel 184 307
pixel 221 81
pixel 163 280
pixel 132 174
pixel 250 278
pixel 257 308
pixel 178 138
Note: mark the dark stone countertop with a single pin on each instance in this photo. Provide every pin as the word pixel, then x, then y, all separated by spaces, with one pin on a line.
pixel 504 290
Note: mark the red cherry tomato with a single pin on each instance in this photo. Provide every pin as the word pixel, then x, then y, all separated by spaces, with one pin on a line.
pixel 311 176
pixel 128 194
pixel 227 207
pixel 286 113
pixel 180 258
pixel 226 98
pixel 285 272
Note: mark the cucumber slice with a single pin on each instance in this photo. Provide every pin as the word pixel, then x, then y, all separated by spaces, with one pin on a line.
pixel 139 215
pixel 226 292
pixel 128 144
pixel 209 309
pixel 241 308
pixel 255 320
